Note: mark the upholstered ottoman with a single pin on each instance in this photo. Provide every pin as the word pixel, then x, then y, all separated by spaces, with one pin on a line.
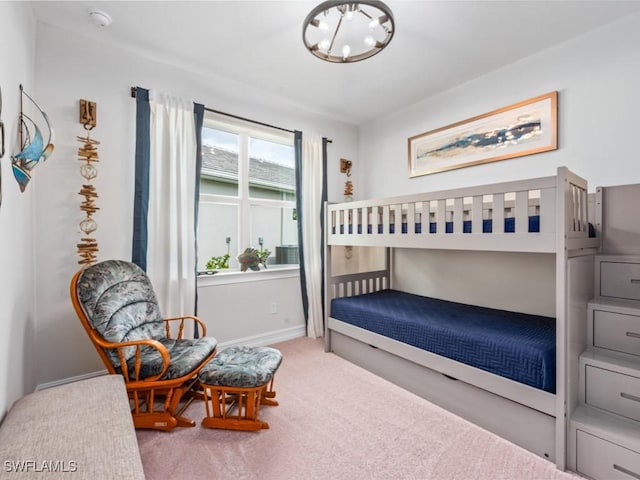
pixel 235 383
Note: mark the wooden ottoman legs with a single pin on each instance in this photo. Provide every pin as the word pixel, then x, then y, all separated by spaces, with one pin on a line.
pixel 236 408
pixel 268 394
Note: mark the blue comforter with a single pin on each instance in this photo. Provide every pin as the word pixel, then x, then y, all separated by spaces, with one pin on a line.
pixel 517 346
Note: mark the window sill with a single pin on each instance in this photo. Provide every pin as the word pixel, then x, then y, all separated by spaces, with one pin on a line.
pixel 236 276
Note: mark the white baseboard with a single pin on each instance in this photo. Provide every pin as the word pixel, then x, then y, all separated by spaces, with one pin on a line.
pixel 268 338
pixel 261 340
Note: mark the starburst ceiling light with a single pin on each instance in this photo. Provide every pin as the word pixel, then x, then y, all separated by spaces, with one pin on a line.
pixel 347 32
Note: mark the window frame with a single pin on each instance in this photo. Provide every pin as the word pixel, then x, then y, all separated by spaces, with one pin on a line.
pixel 243 201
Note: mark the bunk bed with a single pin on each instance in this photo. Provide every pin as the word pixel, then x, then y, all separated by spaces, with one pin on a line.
pixel 509 372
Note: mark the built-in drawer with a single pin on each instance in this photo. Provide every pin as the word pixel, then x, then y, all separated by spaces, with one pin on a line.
pixel 612 391
pixel 620 280
pixel 616 331
pixel 603 460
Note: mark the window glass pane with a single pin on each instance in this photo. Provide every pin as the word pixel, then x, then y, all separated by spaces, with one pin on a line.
pixel 216 223
pixel 277 229
pixel 271 170
pixel 219 173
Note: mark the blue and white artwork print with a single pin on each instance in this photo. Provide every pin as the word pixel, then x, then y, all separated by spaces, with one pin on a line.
pixel 521 129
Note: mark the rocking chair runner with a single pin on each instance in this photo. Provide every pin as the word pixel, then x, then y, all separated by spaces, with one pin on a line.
pixel 118 308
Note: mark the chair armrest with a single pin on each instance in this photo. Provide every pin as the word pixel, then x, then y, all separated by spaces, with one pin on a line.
pixel 181 319
pixel 137 344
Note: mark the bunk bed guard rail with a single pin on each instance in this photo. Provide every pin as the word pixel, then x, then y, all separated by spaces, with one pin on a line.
pixel 511 216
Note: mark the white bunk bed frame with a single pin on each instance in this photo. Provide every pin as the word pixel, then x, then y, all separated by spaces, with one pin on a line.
pixel 532 418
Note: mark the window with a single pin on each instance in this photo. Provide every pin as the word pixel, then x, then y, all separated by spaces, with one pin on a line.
pixel 247 193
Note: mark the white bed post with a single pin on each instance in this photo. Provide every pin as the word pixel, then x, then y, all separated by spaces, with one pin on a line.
pixel 563 213
pixel 327 277
pixel 388 264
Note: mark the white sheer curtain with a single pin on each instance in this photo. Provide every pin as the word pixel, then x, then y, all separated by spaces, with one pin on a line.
pixel 311 230
pixel 171 246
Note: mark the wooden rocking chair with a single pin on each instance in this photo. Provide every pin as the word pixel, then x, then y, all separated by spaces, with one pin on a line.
pixel 118 309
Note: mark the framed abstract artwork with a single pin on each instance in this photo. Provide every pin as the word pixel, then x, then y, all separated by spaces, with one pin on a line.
pixel 520 129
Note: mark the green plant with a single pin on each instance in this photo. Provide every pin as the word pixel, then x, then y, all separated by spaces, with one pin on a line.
pixel 217 263
pixel 263 254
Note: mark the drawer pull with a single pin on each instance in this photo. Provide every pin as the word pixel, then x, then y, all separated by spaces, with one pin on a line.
pixel 628 396
pixel 635 281
pixel 633 334
pixel 624 470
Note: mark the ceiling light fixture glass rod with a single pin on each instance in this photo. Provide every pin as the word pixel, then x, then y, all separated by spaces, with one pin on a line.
pixel 335 34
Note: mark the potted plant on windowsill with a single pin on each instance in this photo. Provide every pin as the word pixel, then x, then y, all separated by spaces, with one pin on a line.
pixel 221 262
pixel 218 263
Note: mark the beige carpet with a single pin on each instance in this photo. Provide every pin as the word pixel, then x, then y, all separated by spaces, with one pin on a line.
pixel 338 421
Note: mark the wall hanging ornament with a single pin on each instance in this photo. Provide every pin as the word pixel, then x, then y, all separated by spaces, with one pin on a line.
pixel 33 148
pixel 88 153
pixel 345 167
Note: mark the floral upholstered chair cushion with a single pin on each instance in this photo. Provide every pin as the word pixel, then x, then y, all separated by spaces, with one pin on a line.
pixel 243 367
pixel 120 304
pixel 185 355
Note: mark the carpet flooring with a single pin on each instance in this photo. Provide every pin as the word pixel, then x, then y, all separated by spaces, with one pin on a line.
pixel 338 421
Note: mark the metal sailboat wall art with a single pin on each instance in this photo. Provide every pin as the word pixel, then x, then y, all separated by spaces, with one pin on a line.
pixel 33 148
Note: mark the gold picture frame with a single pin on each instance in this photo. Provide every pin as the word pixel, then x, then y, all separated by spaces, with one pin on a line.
pixel 520 129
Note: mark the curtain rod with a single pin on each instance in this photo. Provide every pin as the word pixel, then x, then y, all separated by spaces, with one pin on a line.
pixel 133 95
pixel 244 119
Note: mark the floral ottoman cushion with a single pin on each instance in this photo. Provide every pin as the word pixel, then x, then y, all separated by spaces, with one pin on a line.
pixel 242 367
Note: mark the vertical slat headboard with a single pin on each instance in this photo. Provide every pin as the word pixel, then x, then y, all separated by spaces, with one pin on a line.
pixel 358 283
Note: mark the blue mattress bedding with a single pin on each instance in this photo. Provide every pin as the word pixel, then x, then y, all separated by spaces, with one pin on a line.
pixel 487 226
pixel 517 346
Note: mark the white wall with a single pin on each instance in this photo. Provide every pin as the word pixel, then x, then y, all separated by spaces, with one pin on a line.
pixel 265 309
pixel 597 77
pixel 70 67
pixel 518 282
pixel 17 329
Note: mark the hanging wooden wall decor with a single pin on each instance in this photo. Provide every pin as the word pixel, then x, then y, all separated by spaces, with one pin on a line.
pixel 88 153
pixel 345 167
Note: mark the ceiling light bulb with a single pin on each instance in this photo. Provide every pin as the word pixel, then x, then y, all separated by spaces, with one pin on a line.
pixel 378 21
pixel 323 26
pixel 346 50
pixel 100 18
pixel 349 14
pixel 324 44
pixel 369 40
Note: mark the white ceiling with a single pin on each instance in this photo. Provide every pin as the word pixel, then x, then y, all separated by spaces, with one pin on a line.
pixel 437 44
